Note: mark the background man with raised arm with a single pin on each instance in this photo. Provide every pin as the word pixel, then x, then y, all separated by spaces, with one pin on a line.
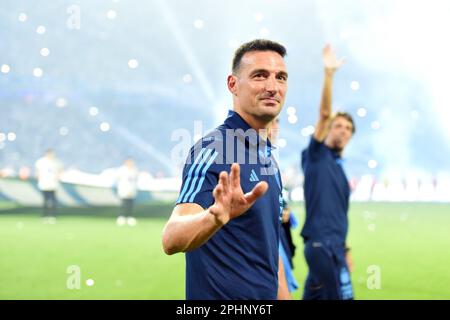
pixel 327 195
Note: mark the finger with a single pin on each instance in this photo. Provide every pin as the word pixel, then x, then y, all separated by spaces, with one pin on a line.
pixel 217 193
pixel 257 192
pixel 235 176
pixel 223 181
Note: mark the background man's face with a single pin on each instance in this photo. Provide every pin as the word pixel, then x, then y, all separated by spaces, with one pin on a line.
pixel 50 154
pixel 129 162
pixel 261 84
pixel 340 133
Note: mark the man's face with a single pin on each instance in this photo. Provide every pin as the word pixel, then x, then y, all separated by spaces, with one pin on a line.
pixel 340 133
pixel 259 86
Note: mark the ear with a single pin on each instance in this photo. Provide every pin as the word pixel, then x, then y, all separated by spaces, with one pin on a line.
pixel 232 84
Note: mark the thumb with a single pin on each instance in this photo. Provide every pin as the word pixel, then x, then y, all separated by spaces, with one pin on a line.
pixel 257 192
pixel 214 210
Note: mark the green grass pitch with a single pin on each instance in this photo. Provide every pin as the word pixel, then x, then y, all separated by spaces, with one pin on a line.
pixel 408 243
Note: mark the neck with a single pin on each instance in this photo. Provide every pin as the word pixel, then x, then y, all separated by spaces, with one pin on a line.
pixel 260 125
pixel 329 145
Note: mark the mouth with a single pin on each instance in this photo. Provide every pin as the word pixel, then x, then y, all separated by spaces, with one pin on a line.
pixel 272 101
pixel 341 142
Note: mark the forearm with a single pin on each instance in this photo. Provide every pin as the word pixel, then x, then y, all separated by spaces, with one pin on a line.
pixel 187 232
pixel 327 94
pixel 325 106
pixel 283 290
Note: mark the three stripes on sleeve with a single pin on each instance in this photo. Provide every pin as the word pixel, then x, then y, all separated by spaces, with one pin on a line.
pixel 196 175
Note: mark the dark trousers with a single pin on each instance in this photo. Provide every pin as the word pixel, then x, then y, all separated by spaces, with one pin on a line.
pixel 49 203
pixel 328 276
pixel 126 208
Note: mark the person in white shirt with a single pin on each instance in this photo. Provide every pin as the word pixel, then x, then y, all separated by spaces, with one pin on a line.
pixel 48 171
pixel 127 177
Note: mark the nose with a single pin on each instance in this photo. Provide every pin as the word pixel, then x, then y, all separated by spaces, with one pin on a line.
pixel 271 84
pixel 346 132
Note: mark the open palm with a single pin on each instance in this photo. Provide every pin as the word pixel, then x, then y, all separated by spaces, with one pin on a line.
pixel 330 61
pixel 230 200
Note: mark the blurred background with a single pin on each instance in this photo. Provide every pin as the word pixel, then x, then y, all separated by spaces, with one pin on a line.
pixel 102 81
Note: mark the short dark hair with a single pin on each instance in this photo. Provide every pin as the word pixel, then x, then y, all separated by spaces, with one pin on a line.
pixel 256 45
pixel 346 116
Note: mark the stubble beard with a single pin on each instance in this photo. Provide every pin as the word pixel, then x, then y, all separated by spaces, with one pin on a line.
pixel 267 117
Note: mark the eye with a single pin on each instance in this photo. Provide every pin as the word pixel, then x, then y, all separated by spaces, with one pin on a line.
pixel 282 77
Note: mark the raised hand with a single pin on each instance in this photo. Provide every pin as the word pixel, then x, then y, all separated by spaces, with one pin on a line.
pixel 230 200
pixel 330 61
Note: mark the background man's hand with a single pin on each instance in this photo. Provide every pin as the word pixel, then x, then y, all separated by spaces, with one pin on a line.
pixel 330 61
